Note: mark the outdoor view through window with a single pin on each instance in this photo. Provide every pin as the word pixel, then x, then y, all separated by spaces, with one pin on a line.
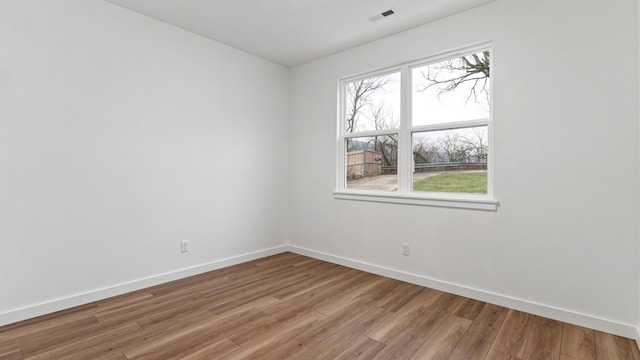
pixel 441 129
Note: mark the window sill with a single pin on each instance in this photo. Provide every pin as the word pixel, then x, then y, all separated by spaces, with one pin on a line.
pixel 448 201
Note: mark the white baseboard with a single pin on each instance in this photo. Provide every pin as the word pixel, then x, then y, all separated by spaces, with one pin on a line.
pixel 48 307
pixel 568 316
pixel 609 326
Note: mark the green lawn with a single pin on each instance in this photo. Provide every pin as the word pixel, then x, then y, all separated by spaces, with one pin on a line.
pixel 475 182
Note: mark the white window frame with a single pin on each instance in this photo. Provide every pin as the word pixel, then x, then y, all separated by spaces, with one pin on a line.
pixel 405 194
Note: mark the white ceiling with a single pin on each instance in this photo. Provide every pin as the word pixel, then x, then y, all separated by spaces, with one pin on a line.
pixel 293 32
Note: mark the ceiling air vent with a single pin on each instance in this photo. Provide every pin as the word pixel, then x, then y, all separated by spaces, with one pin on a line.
pixel 383 14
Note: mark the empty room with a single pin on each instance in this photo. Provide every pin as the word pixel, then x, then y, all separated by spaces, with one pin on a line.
pixel 320 179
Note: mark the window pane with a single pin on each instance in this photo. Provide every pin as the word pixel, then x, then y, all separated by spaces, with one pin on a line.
pixel 373 103
pixel 372 163
pixel 456 89
pixel 451 160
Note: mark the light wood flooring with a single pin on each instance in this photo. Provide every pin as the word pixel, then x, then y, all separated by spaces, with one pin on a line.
pixel 293 307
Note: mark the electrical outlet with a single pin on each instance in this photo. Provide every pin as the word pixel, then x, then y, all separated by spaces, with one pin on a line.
pixel 184 246
pixel 405 249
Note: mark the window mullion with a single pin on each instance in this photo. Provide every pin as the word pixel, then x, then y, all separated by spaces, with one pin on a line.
pixel 341 171
pixel 370 133
pixel 404 136
pixel 451 125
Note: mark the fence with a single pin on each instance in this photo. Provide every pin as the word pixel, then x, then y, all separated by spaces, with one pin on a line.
pixel 363 163
pixel 437 167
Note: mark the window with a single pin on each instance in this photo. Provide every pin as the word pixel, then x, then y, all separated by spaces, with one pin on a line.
pixel 419 133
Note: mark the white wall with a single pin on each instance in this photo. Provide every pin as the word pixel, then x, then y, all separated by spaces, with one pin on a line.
pixel 564 242
pixel 121 136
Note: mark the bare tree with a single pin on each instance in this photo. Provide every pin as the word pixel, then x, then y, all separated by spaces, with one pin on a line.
pixel 476 143
pixel 381 117
pixel 359 96
pixel 424 152
pixel 387 145
pixel 454 148
pixel 447 75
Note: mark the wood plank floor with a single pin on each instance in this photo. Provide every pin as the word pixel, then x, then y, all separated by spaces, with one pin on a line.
pixel 293 307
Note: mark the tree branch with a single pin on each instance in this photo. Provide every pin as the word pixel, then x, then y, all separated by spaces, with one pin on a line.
pixel 475 68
